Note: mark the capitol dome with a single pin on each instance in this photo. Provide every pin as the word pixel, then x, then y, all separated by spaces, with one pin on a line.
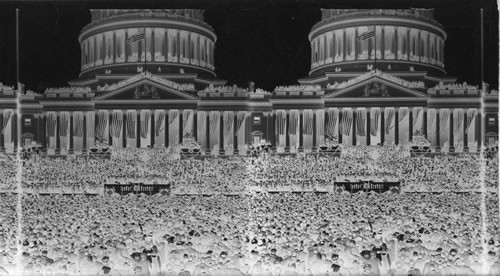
pixel 175 41
pixel 350 40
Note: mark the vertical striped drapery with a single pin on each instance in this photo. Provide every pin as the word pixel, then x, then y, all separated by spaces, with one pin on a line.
pixel 458 124
pixel 51 124
pixel 431 128
pixel 214 120
pixel 294 117
pixel 374 121
pixel 90 124
pixel 308 126
pixel 102 122
pixel 281 117
pixel 145 117
pixel 471 115
pixel 228 127
pixel 187 122
pixel 173 126
pixel 403 112
pixel 389 119
pixel 444 126
pixel 64 120
pixel 417 112
pixel 172 115
pixel 159 125
pixel 361 122
pixel 7 114
pixel 78 124
pixel 320 125
pixel 202 126
pixel 332 118
pixel 240 117
pixel 346 123
pixel 131 118
pixel 115 126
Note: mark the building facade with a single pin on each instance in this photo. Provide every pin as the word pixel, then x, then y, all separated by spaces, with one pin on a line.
pixel 147 80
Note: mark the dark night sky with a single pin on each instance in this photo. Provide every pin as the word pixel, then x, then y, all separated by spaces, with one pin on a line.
pixel 261 41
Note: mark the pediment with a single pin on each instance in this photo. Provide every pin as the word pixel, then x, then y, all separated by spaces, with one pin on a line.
pixel 146 89
pixel 376 87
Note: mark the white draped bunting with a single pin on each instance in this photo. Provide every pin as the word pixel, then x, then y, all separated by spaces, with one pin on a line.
pixel 7 114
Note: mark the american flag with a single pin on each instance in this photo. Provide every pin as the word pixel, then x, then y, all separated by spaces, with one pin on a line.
pixel 366 35
pixel 137 37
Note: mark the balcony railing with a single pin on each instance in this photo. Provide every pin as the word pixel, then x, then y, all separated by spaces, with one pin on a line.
pixel 148 15
pixel 348 14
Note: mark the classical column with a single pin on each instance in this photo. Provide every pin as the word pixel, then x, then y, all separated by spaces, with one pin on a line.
pixel 479 130
pixel 312 51
pixel 124 128
pixel 152 48
pixel 189 54
pixel 325 47
pixel 382 126
pixel 235 133
pixel 165 45
pixel 71 142
pixel 438 137
pixel 198 48
pixel 181 125
pixel 46 134
pixel 221 133
pixel 396 126
pixel 344 44
pixel 2 142
pixel 396 46
pixel 207 133
pixel 417 46
pixel 356 44
pixel 410 126
pixel 138 128
pixel 274 136
pixel 354 123
pixel 425 122
pixel 195 125
pixel 110 119
pixel 339 122
pixel 268 132
pixel 58 137
pixel 287 145
pixel 166 128
pixel 36 126
pixel 301 131
pixel 382 44
pixel 84 146
pixel 466 140
pixel 451 133
pixel 114 47
pixel 368 126
pixel 152 129
pixel 315 138
pixel 178 46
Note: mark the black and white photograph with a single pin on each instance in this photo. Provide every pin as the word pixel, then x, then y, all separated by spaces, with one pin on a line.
pixel 249 138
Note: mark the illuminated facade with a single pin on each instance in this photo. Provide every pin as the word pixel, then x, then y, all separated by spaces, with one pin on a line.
pixel 147 80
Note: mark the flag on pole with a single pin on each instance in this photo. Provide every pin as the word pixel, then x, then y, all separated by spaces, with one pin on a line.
pixel 367 35
pixel 137 37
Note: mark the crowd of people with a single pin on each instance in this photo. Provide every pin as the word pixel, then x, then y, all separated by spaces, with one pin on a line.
pixel 254 234
pixel 463 172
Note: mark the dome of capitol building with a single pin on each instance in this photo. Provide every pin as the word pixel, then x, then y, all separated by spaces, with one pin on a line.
pixel 164 40
pixel 350 40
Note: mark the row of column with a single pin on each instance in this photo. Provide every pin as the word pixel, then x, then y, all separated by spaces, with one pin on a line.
pixel 377 126
pixel 230 131
pixel 389 42
pixel 159 45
